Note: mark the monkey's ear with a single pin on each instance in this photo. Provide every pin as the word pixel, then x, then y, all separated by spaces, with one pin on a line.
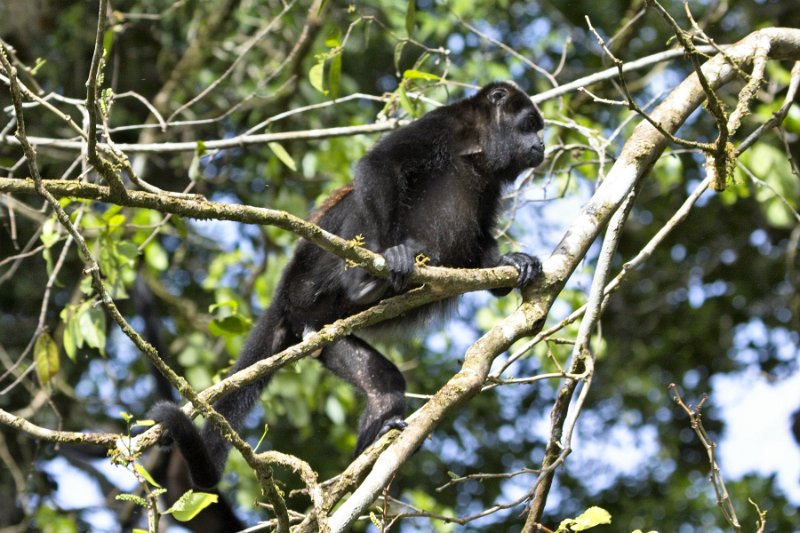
pixel 497 94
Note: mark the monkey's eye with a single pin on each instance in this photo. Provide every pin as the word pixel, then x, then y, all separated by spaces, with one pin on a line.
pixel 533 123
pixel 496 95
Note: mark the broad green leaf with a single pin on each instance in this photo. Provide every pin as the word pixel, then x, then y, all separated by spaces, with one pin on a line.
pixel 190 504
pixel 115 222
pixel 283 155
pixel 45 354
pixel 127 252
pixel 92 322
pixel 316 76
pixel 230 325
pixel 591 517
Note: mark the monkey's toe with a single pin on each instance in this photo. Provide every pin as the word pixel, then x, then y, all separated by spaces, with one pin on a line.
pixel 396 422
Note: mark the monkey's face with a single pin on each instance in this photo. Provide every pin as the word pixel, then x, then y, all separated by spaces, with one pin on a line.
pixel 513 140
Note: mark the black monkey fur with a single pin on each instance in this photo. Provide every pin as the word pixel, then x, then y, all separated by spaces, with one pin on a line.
pixel 431 187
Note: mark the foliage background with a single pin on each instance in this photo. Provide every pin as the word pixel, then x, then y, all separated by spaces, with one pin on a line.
pixel 719 300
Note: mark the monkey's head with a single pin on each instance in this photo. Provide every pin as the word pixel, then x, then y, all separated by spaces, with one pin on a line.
pixel 506 131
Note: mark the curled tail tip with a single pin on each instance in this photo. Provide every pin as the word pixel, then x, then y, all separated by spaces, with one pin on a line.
pixel 179 429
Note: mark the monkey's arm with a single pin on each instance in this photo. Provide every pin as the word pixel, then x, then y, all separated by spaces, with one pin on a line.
pixel 384 188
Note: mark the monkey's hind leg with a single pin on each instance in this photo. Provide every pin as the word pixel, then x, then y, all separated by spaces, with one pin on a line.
pixel 377 378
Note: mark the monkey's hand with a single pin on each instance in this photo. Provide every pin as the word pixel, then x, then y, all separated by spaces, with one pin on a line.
pixel 362 288
pixel 400 260
pixel 529 268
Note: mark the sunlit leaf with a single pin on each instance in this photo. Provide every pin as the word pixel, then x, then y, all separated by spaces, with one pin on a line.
pixel 145 474
pixel 45 354
pixel 190 504
pixel 316 75
pixel 156 257
pixel 412 74
pixel 282 154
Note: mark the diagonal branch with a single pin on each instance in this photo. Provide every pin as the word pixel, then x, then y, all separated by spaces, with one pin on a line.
pixel 638 155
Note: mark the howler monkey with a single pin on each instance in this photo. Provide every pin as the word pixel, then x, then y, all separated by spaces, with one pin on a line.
pixel 431 187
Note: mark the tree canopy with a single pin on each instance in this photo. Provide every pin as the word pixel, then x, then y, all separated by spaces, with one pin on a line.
pixel 158 160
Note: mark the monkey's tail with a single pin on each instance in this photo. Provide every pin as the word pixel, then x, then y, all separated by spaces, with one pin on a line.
pixel 206 452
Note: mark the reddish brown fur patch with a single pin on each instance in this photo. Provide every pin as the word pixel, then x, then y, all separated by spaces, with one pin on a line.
pixel 336 196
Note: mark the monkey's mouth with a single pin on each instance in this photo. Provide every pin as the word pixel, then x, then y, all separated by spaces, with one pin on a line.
pixel 536 156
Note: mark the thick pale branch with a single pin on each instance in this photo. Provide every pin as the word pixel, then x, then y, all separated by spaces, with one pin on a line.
pixel 638 155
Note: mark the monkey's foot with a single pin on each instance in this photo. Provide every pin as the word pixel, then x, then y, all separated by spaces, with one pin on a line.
pixel 372 434
pixel 396 422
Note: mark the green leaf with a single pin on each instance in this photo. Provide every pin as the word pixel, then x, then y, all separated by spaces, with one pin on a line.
pixel 115 222
pixel 405 101
pixel 146 475
pixel 127 252
pixel 316 76
pixel 233 305
pixel 230 325
pixel 398 55
pixel 49 234
pixel 282 154
pixel 190 504
pixel 45 354
pixel 92 323
pixel 412 74
pixel 156 257
pixel 108 41
pixel 72 337
pixel 591 517
pixel 411 12
pixel 335 76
